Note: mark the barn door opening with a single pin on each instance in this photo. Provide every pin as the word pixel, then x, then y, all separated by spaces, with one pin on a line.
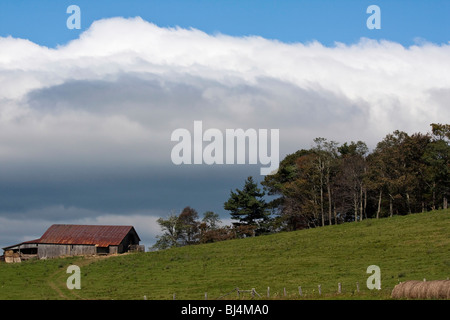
pixel 102 250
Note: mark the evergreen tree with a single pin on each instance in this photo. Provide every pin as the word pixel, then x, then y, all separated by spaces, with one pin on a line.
pixel 247 205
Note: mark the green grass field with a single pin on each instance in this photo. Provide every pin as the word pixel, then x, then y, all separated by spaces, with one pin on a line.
pixel 409 247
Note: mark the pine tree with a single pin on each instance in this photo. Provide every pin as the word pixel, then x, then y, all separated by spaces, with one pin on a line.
pixel 247 205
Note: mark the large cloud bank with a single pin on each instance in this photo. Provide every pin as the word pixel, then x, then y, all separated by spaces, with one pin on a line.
pixel 111 98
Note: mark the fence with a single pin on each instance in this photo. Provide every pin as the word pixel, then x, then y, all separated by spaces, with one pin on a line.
pixel 300 293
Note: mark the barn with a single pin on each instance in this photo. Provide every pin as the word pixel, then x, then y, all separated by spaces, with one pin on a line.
pixel 72 240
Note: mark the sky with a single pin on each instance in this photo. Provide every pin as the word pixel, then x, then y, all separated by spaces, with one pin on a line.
pixel 86 115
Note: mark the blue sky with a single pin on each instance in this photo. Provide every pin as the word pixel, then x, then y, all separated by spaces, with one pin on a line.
pixel 44 21
pixel 85 129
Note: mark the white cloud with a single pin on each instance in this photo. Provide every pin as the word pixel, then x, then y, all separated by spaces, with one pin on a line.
pixel 125 84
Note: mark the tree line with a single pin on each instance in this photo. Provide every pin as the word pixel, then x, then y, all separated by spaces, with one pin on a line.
pixel 186 228
pixel 330 183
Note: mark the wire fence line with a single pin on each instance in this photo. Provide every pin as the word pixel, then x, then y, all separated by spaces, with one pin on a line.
pixel 300 292
pixel 239 291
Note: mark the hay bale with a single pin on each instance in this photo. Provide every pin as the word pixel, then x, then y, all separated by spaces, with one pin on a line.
pixel 9 253
pixel 436 289
pixel 405 289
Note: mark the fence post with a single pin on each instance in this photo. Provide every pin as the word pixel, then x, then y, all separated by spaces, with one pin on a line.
pixel 206 295
pixel 268 292
pixel 339 287
pixel 320 290
pixel 300 291
pixel 284 292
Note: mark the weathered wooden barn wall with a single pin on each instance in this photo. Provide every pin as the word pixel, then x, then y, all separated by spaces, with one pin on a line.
pixel 55 250
pixel 113 249
pixel 129 240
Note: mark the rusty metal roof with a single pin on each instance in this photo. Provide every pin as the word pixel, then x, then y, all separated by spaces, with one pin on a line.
pixel 98 235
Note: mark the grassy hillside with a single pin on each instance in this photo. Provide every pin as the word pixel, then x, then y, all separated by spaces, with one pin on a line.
pixel 416 246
